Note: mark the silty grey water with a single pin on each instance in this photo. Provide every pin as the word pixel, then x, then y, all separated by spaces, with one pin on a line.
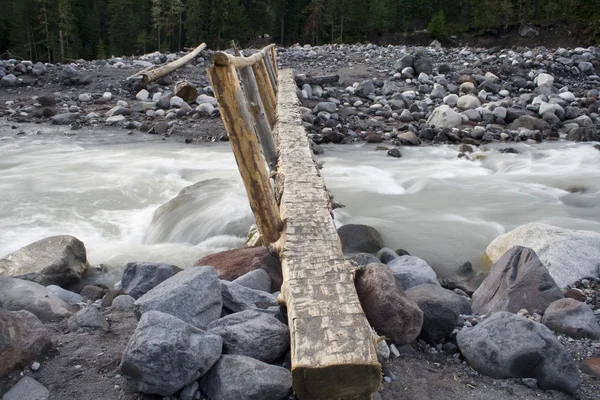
pixel 104 186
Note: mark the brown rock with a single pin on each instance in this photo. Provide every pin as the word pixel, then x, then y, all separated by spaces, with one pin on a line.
pixel 592 367
pixel 231 264
pixel 92 292
pixel 391 313
pixel 22 338
pixel 576 294
pixel 517 280
pixel 373 138
pixel 186 91
pixel 110 296
pixel 573 318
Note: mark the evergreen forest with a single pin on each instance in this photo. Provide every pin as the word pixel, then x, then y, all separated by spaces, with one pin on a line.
pixel 53 30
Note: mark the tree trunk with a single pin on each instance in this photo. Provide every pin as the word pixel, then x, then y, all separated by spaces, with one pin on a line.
pixel 47 31
pixel 282 20
pixel 29 43
pixel 180 30
pixel 62 46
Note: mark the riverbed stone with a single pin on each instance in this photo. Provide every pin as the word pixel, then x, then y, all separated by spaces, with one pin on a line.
pixel 441 309
pixel 444 117
pixel 389 311
pixel 19 294
pixel 88 317
pixel 140 277
pixel 518 280
pixel 231 264
pixel 507 345
pixel 165 354
pixel 27 389
pixel 412 271
pixel 238 298
pixel 123 302
pixel 66 295
pixel 241 377
pixel 360 238
pixel 257 280
pixel 23 337
pixel 572 318
pixel 569 255
pixel 56 260
pixel 253 334
pixel 193 295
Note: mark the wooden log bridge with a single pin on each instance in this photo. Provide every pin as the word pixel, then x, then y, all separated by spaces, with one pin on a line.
pixel 333 351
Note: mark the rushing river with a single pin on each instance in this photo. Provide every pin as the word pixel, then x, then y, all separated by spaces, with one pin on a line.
pixel 103 187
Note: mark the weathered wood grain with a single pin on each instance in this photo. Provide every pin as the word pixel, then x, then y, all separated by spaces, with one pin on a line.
pixel 333 347
pixel 239 125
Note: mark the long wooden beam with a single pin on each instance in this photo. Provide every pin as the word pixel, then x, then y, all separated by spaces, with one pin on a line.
pixel 333 349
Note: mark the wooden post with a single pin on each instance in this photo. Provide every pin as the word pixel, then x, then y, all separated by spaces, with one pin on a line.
pixel 244 143
pixel 265 87
pixel 265 95
pixel 256 108
pixel 269 67
pixel 274 59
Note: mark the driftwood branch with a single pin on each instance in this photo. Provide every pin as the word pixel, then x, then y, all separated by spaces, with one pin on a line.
pixel 152 73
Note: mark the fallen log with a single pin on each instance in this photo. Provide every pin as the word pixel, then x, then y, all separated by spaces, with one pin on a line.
pixel 149 75
pixel 317 80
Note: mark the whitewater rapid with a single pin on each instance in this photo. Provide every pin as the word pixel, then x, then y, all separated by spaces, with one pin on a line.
pixel 104 187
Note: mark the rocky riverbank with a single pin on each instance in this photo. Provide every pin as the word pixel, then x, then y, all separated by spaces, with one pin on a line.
pixel 215 330
pixel 528 328
pixel 401 95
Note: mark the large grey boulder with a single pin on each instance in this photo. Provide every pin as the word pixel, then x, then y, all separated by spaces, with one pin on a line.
pixel 258 280
pixel 569 255
pixel 573 318
pixel 165 354
pixel 253 334
pixel 412 271
pixel 140 277
pixel 22 338
pixel 64 119
pixel 27 389
pixel 55 260
pixel 517 281
pixel 244 378
pixel 423 64
pixel 193 295
pixel 511 346
pixel 66 295
pixel 360 238
pixel 406 61
pixel 18 294
pixel 238 298
pixel 88 317
pixel 389 311
pixel 444 117
pixel 441 309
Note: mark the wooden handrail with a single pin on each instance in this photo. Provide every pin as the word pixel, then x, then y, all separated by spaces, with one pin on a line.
pixel 223 59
